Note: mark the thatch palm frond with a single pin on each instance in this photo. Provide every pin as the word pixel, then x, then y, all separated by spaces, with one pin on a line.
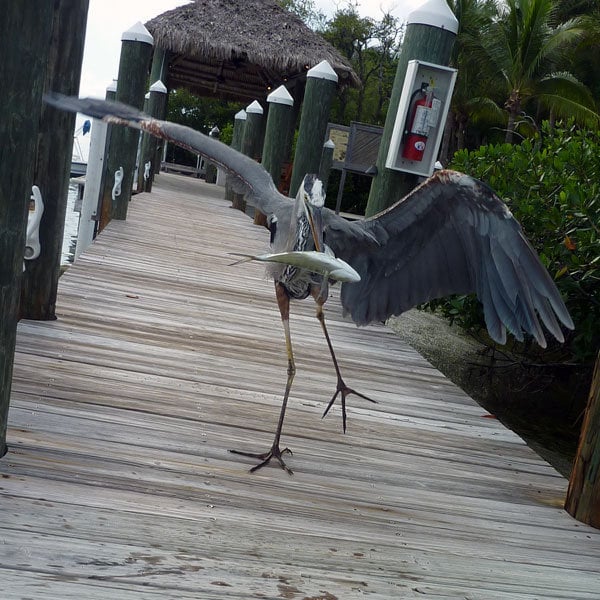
pixel 523 47
pixel 567 97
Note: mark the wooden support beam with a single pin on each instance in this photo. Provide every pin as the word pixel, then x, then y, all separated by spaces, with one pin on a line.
pixel 583 496
pixel 53 163
pixel 25 33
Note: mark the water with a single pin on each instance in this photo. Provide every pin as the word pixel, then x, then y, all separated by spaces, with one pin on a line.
pixel 71 228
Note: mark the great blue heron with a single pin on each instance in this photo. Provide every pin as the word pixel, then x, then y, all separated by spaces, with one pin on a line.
pixel 450 235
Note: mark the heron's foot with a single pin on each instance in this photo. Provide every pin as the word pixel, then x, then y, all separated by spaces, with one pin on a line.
pixel 343 391
pixel 265 457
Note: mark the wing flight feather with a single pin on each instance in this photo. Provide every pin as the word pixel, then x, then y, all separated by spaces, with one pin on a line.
pixel 451 235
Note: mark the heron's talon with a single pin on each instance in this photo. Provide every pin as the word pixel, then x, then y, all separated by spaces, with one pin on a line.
pixel 265 458
pixel 344 391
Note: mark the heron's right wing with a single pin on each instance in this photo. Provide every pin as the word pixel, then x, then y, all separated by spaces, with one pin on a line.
pixel 248 176
pixel 451 235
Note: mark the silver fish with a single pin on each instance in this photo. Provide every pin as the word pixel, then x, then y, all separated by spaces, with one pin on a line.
pixel 317 262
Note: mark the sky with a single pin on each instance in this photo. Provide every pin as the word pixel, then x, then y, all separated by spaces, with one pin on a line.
pixel 108 19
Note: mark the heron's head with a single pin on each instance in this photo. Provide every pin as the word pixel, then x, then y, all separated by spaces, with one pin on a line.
pixel 312 199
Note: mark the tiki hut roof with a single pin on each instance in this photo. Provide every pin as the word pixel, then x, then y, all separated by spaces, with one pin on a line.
pixel 240 49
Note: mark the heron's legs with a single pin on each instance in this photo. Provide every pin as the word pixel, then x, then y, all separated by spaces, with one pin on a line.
pixel 283 301
pixel 342 389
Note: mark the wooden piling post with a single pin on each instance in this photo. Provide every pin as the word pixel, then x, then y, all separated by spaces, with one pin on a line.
pixel 210 173
pixel 281 105
pixel 104 209
pixel 53 163
pixel 251 143
pixel 239 124
pixel 583 496
pixel 25 32
pixel 254 131
pixel 159 69
pixel 321 84
pixel 159 72
pixel 430 33
pixel 136 50
pixel 148 151
pixel 326 162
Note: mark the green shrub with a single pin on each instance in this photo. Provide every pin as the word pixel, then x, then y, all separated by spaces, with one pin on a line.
pixel 552 186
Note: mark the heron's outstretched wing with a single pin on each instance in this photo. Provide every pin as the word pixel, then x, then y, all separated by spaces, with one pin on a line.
pixel 451 235
pixel 252 179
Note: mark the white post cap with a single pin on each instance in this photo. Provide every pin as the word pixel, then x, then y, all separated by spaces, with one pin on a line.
pixel 112 87
pixel 147 96
pixel 138 33
pixel 241 115
pixel 158 87
pixel 281 96
pixel 254 108
pixel 323 71
pixel 329 144
pixel 435 13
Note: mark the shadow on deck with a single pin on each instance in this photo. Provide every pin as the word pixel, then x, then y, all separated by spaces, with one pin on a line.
pixel 118 482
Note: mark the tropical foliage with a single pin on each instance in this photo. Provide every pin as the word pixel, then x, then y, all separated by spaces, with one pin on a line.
pixel 552 185
pixel 201 114
pixel 522 61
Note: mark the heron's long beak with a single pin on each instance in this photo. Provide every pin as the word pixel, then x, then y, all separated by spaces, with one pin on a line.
pixel 315 219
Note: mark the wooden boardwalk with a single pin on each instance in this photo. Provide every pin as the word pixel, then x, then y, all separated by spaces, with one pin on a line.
pixel 118 482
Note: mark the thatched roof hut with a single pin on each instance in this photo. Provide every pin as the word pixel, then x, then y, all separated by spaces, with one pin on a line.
pixel 240 49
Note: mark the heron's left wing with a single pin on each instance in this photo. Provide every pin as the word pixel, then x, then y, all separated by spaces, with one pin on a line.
pixel 252 179
pixel 451 235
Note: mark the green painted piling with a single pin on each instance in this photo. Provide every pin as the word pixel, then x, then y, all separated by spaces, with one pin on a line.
pixel 252 140
pixel 239 124
pixel 326 162
pixel 160 67
pixel 159 71
pixel 254 131
pixel 321 84
pixel 281 106
pixel 25 33
pixel 148 149
pixel 53 163
pixel 430 34
pixel 279 116
pixel 136 51
pixel 210 174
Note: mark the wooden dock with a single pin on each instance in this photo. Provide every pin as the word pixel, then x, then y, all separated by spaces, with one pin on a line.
pixel 118 482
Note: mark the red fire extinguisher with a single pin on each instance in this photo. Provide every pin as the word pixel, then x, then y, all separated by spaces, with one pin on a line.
pixel 417 126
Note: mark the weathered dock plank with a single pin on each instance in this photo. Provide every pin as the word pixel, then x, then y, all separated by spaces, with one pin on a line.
pixel 118 482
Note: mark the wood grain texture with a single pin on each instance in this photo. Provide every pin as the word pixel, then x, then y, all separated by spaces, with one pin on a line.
pixel 118 482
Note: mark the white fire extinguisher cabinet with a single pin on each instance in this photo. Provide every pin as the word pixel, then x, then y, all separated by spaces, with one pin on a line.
pixel 421 116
